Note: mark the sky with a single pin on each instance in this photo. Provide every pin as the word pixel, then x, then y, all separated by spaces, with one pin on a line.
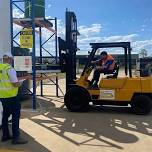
pixel 106 21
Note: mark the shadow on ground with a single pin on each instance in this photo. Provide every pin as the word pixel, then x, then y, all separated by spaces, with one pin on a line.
pixel 113 126
pixel 114 123
pixel 32 146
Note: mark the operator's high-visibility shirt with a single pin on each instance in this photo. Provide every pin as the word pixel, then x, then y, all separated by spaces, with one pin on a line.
pixel 109 62
pixel 7 90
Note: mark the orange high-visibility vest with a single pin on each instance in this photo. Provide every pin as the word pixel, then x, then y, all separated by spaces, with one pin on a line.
pixel 109 58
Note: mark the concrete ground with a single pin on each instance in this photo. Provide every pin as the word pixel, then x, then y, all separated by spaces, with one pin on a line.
pixel 51 128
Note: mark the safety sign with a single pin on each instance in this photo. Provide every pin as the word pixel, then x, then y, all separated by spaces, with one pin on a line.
pixel 26 38
pixel 107 94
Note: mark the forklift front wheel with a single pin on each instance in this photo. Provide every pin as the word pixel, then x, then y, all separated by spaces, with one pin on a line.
pixel 141 104
pixel 77 99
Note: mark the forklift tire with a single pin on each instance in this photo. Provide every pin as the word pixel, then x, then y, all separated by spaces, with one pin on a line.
pixel 141 104
pixel 77 99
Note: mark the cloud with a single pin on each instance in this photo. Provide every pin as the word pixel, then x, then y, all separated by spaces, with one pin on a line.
pixel 47 8
pixel 61 28
pixel 50 45
pixel 91 34
pixel 49 5
pixel 120 38
pixel 17 13
pixel 138 45
pixel 90 30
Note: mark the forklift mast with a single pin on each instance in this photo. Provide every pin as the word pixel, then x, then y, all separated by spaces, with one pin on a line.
pixel 71 41
pixel 68 48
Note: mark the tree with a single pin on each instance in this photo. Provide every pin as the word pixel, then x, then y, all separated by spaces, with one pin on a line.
pixel 143 53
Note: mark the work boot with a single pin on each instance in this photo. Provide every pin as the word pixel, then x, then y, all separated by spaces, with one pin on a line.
pixel 18 141
pixel 94 86
pixel 4 139
pixel 91 82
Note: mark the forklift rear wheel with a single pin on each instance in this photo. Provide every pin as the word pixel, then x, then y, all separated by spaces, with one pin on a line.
pixel 141 104
pixel 77 99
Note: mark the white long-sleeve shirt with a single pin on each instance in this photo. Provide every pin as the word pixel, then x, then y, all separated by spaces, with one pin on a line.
pixel 12 75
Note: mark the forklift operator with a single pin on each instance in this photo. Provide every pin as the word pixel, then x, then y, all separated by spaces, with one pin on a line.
pixel 105 64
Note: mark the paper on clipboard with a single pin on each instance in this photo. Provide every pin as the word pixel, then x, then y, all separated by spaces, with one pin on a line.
pixel 22 80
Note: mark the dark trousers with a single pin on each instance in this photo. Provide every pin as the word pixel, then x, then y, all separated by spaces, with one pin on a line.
pixel 11 106
pixel 96 74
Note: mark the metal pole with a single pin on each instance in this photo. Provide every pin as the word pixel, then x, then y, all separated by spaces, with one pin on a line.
pixel 56 42
pixel 56 57
pixel 33 54
pixel 126 61
pixel 57 85
pixel 11 20
pixel 41 83
pixel 130 61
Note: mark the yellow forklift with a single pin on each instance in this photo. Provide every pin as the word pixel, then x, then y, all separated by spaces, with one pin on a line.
pixel 112 90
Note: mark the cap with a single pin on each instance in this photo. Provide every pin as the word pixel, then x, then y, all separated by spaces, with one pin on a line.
pixel 103 53
pixel 7 54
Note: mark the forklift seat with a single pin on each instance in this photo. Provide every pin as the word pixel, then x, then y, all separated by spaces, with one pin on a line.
pixel 114 73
